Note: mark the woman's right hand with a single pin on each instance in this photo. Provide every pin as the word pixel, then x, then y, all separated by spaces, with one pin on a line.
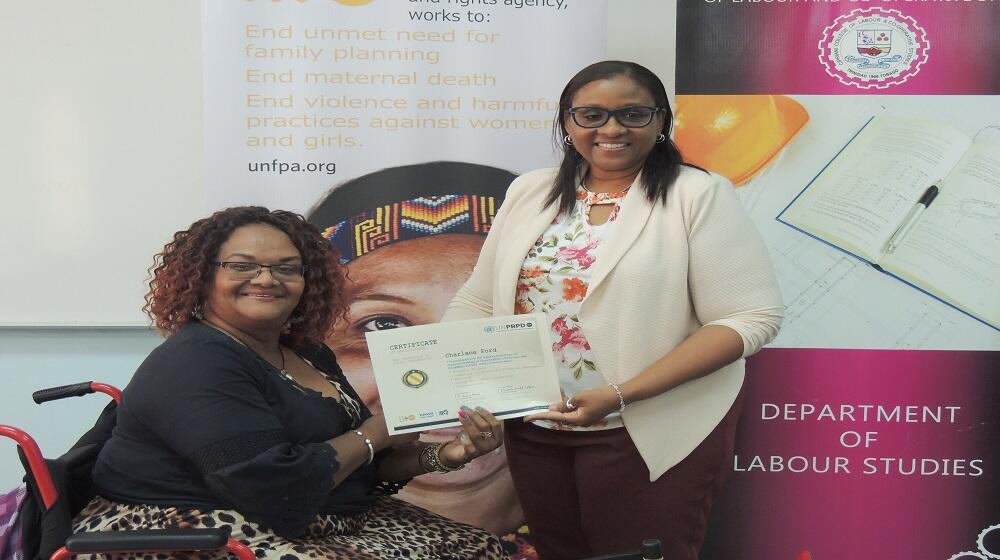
pixel 375 429
pixel 482 433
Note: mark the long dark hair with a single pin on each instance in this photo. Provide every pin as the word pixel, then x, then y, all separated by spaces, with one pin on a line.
pixel 663 163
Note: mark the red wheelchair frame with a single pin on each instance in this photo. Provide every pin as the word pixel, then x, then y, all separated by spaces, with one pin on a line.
pixel 109 542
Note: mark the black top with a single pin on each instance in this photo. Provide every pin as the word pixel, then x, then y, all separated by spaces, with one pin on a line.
pixel 206 423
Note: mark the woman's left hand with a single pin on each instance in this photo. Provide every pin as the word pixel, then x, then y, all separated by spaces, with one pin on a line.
pixel 481 433
pixel 582 409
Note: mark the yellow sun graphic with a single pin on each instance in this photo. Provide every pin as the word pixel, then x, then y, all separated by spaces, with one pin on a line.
pixel 726 119
pixel 735 135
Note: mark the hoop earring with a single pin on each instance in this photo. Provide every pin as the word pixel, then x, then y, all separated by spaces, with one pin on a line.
pixel 568 140
pixel 661 138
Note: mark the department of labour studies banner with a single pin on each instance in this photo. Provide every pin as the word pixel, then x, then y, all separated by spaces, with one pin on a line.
pixel 869 426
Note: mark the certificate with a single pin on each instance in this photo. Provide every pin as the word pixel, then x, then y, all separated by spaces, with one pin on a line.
pixel 425 373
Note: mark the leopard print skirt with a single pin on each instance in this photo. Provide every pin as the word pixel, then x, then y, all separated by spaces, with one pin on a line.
pixel 391 529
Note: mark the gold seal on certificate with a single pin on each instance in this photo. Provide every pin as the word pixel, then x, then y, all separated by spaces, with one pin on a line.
pixel 415 378
pixel 425 373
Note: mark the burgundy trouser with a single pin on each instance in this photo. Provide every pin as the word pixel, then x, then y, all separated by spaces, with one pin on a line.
pixel 588 493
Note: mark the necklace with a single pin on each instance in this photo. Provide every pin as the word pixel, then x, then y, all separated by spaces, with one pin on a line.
pixel 583 184
pixel 284 372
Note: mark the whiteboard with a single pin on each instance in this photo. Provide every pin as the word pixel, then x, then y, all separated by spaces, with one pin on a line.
pixel 100 155
pixel 101 150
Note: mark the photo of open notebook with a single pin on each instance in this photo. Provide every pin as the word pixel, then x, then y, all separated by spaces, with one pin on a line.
pixel 918 199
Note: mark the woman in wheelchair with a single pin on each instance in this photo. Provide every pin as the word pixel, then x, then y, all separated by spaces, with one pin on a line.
pixel 242 417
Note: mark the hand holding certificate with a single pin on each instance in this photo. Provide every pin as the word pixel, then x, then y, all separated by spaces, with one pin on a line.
pixel 426 373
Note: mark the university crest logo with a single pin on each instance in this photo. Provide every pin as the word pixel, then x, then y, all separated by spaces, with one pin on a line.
pixel 873 48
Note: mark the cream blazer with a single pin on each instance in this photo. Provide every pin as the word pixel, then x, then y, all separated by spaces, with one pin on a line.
pixel 666 270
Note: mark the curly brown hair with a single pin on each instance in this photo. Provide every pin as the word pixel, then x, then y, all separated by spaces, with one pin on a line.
pixel 181 272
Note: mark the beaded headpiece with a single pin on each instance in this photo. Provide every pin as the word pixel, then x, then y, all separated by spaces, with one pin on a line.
pixel 411 219
pixel 410 202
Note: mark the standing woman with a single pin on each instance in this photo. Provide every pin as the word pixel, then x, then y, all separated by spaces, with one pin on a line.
pixel 656 286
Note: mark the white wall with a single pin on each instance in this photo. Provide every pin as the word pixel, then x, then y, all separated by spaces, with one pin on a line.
pixel 32 359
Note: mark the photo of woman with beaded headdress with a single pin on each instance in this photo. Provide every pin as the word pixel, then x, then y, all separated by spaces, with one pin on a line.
pixel 410 236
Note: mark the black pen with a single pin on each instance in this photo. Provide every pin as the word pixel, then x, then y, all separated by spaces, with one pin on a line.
pixel 911 217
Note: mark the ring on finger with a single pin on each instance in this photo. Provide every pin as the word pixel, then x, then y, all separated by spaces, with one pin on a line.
pixel 486 434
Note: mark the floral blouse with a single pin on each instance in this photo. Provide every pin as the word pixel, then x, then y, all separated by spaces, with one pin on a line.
pixel 554 280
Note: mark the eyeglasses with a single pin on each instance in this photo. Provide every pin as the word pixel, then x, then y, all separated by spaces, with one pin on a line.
pixel 239 270
pixel 635 116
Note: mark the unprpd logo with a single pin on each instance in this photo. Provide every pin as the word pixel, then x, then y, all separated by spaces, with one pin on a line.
pixel 504 327
pixel 873 48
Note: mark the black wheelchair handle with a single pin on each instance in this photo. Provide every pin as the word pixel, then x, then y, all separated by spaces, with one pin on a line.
pixel 56 393
pixel 147 540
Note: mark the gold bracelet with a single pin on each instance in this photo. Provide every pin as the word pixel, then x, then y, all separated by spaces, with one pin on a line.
pixel 430 459
pixel 423 459
pixel 437 455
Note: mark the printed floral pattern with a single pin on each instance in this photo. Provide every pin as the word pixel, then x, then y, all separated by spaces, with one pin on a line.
pixel 554 280
pixel 569 336
pixel 584 256
pixel 573 289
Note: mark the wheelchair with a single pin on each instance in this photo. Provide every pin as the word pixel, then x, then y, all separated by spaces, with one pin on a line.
pixel 58 489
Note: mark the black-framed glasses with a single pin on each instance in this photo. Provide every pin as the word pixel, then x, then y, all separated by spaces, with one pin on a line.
pixel 634 116
pixel 239 270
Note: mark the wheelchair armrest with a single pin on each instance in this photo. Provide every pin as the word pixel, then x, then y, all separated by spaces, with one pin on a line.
pixel 147 540
pixel 76 390
pixel 61 392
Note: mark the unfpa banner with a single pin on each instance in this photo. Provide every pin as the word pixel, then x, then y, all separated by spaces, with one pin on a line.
pixel 303 95
pixel 396 126
pixel 863 138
